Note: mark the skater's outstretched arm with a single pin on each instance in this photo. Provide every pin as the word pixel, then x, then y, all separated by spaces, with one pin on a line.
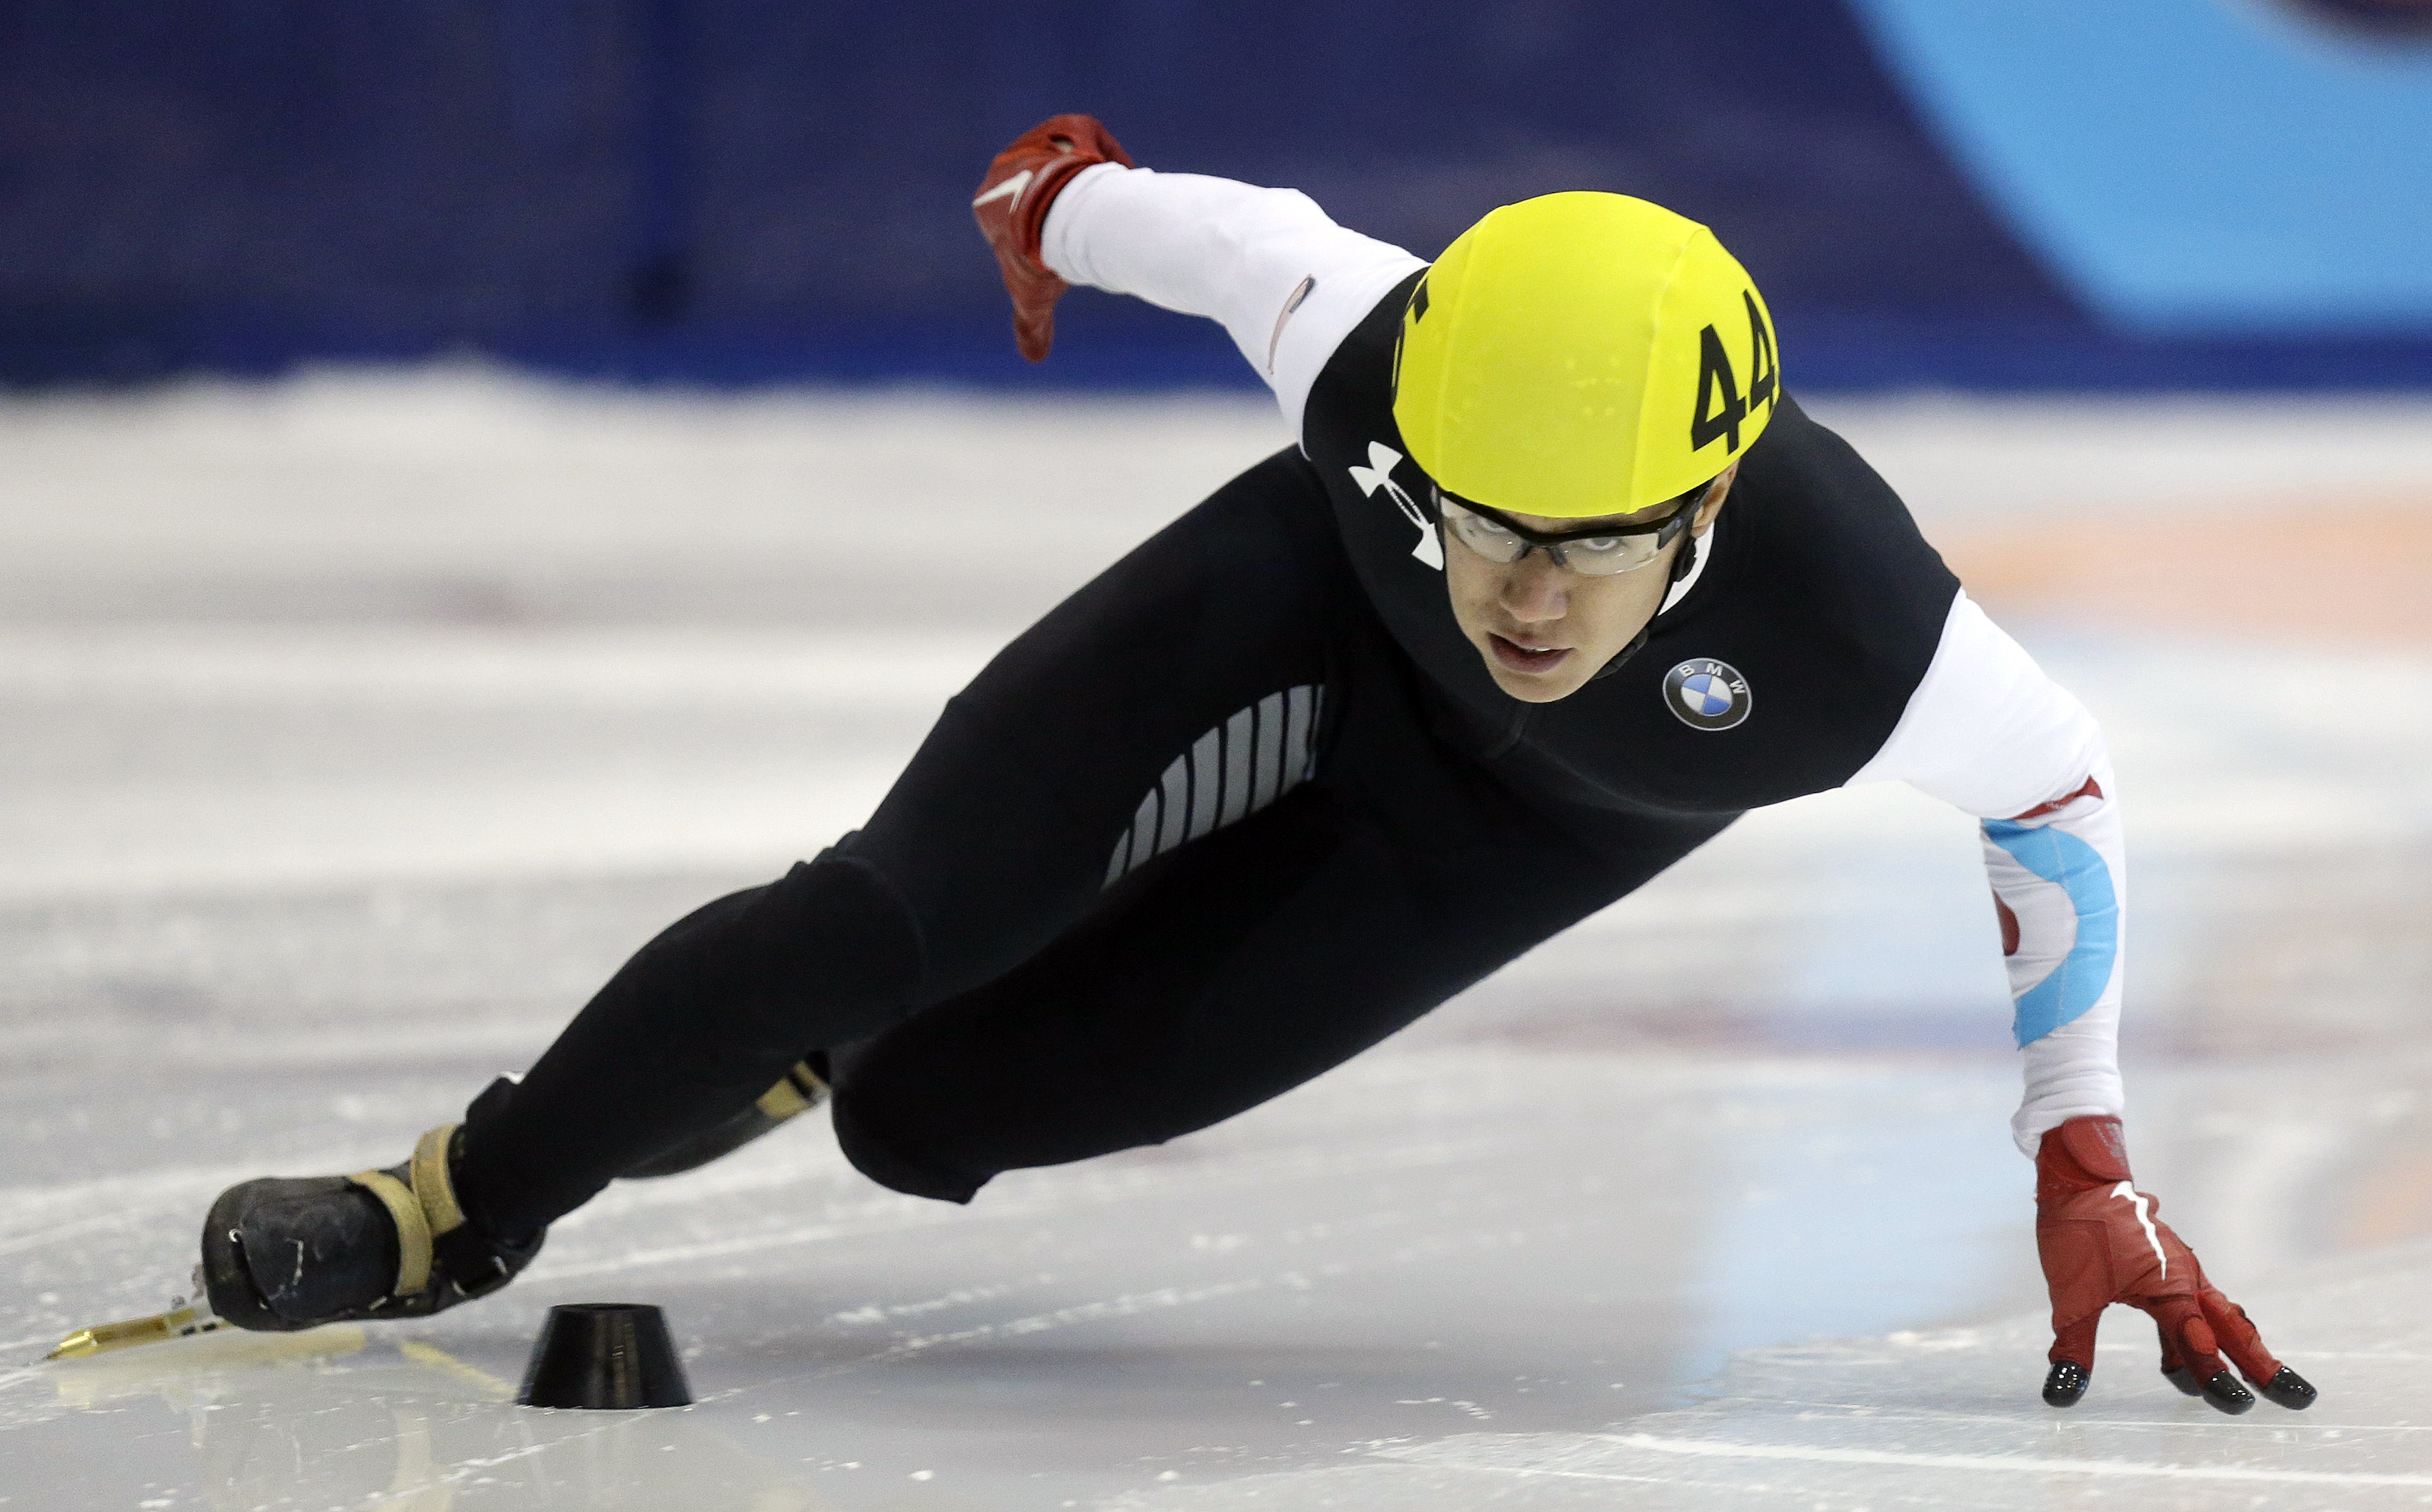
pixel 1987 732
pixel 1062 205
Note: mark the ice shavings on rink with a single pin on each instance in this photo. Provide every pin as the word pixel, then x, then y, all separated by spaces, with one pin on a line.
pixel 358 727
pixel 1914 1421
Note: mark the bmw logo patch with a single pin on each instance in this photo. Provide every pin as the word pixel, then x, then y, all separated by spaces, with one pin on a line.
pixel 1706 694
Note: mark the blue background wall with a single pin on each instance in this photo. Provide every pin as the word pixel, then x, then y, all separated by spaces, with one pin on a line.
pixel 731 190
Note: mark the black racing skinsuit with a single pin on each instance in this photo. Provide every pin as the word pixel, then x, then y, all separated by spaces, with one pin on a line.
pixel 1236 811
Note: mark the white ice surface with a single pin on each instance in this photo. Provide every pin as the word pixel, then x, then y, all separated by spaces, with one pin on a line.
pixel 356 728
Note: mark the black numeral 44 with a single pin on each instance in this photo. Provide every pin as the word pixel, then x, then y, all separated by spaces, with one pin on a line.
pixel 1720 406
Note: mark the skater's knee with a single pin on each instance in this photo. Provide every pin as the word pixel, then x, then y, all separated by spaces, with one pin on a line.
pixel 893 1161
pixel 825 953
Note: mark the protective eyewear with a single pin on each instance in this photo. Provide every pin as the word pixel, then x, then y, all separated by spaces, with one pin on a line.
pixel 1605 551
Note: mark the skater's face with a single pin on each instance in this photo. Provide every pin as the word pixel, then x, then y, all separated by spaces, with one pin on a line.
pixel 1545 628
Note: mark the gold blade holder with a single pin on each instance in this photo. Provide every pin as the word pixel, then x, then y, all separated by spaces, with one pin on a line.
pixel 176 1323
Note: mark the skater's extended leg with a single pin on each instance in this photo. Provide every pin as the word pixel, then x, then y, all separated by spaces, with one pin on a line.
pixel 996 839
pixel 1218 636
pixel 699 1024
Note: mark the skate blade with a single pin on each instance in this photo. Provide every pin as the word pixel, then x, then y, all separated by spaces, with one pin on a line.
pixel 176 1323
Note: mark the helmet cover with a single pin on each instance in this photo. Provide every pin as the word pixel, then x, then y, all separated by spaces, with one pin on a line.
pixel 1583 354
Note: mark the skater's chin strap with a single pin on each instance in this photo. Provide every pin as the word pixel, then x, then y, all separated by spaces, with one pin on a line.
pixel 423 1210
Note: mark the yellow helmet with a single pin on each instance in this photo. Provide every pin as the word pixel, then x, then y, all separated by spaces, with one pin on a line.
pixel 1583 354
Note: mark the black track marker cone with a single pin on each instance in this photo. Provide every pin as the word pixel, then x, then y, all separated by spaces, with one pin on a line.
pixel 604 1354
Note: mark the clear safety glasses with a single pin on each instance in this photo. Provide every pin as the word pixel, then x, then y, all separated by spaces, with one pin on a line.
pixel 1607 551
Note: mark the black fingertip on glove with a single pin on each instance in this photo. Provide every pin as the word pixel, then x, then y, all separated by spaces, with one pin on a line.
pixel 2064 1384
pixel 2228 1394
pixel 2290 1389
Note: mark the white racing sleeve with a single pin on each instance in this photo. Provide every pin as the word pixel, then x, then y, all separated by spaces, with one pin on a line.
pixel 1988 733
pixel 1286 282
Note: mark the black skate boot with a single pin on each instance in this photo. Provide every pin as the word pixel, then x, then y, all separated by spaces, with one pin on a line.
pixel 286 1254
pixel 798 1092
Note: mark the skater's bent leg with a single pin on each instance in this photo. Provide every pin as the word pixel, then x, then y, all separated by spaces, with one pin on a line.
pixel 1257 958
pixel 696 1026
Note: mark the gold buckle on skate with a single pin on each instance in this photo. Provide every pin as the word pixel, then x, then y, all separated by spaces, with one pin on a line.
pixel 423 1210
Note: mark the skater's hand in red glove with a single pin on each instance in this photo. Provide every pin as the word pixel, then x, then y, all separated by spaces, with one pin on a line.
pixel 1012 208
pixel 2101 1242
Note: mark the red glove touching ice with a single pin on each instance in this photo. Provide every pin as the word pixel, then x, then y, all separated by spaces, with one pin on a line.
pixel 2101 1242
pixel 1012 208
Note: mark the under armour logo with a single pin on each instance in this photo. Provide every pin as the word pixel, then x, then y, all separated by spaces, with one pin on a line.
pixel 2126 1192
pixel 1011 189
pixel 1382 460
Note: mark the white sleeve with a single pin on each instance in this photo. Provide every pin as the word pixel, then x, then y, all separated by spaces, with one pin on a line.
pixel 1987 732
pixel 1287 283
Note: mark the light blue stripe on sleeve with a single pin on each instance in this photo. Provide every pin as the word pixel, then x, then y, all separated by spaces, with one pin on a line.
pixel 2077 983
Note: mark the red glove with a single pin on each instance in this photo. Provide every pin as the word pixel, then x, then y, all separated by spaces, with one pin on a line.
pixel 1012 210
pixel 2101 1242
